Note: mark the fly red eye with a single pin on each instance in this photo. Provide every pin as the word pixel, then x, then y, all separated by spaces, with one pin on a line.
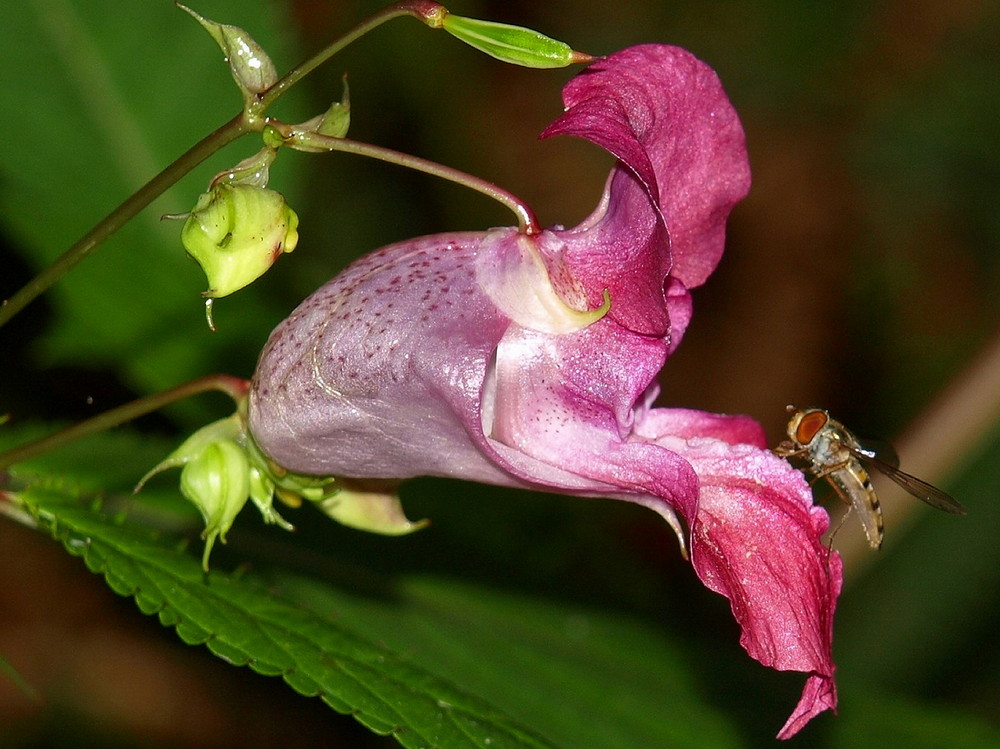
pixel 809 425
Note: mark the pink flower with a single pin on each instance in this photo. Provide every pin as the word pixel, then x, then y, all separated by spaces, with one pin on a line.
pixel 492 356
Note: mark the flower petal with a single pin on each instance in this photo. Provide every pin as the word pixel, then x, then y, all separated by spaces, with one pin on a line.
pixel 683 165
pixel 757 541
pixel 686 424
pixel 465 355
pixel 819 695
pixel 755 534
pixel 527 280
pixel 379 373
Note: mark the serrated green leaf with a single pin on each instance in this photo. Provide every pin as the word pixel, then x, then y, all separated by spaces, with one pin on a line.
pixel 85 462
pixel 515 652
pixel 245 624
pixel 585 678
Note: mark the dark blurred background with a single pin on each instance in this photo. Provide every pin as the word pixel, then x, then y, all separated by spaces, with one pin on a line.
pixel 861 274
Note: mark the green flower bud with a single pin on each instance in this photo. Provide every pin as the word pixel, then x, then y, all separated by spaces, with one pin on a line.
pixel 221 468
pixel 217 482
pixel 236 232
pixel 252 69
pixel 315 135
pixel 513 44
pixel 333 123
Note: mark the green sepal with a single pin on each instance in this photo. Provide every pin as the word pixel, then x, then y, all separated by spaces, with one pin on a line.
pixel 254 171
pixel 262 495
pixel 373 511
pixel 224 429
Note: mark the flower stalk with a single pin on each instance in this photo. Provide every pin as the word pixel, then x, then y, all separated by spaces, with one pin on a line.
pixel 234 387
pixel 422 10
pixel 527 222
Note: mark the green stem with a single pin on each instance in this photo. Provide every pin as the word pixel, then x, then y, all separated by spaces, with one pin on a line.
pixel 121 216
pixel 234 387
pixel 22 684
pixel 430 13
pixel 527 222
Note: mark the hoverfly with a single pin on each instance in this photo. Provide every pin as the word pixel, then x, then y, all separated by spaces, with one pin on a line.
pixel 835 454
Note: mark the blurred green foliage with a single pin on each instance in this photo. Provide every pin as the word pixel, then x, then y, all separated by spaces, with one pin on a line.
pixel 861 275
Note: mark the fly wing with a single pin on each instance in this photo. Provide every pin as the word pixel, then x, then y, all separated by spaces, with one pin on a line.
pixel 875 450
pixel 914 486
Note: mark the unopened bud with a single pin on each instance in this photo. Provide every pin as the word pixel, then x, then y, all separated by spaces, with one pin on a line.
pixel 217 483
pixel 252 69
pixel 236 232
pixel 337 119
pixel 334 123
pixel 513 44
pixel 220 472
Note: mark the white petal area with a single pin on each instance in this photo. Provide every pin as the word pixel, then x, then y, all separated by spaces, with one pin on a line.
pixel 533 289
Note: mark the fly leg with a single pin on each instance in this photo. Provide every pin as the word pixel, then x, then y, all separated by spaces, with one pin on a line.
pixel 840 524
pixel 786 449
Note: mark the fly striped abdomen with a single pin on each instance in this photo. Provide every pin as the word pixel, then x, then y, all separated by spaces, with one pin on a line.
pixel 853 484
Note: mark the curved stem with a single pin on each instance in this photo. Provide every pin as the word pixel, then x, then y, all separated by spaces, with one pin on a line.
pixel 234 387
pixel 527 222
pixel 121 216
pixel 423 10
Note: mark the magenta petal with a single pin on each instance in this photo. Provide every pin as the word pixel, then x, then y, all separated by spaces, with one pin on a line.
pixel 687 423
pixel 757 541
pixel 755 533
pixel 546 408
pixel 819 694
pixel 683 166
